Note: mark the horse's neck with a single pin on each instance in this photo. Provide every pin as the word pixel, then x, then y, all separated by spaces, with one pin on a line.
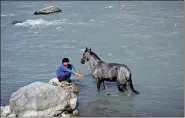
pixel 93 61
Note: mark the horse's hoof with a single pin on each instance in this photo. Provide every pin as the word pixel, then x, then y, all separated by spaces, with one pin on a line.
pixel 98 90
pixel 136 93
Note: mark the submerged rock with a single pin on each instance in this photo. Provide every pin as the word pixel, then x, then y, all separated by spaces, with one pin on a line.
pixel 16 21
pixel 47 10
pixel 40 99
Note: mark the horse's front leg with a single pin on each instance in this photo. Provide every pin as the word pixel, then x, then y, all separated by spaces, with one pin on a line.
pixel 98 84
pixel 103 84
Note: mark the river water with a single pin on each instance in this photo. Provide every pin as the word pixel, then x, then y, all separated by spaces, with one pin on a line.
pixel 147 36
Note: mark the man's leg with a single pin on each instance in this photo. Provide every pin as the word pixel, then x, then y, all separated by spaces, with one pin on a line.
pixel 65 77
pixel 60 79
pixel 68 76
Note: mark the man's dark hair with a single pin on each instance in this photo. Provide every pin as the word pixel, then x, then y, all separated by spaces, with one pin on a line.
pixel 65 60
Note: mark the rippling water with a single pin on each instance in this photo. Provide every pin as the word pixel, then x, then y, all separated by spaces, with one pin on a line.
pixel 148 36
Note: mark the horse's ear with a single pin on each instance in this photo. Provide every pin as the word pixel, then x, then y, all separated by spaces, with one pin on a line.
pixel 90 49
pixel 86 49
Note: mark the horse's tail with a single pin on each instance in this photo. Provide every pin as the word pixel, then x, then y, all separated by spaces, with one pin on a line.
pixel 131 86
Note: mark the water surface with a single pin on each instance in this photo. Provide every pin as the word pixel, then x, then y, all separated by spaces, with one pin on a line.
pixel 147 36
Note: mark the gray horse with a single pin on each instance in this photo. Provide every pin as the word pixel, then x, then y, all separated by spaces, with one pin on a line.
pixel 112 72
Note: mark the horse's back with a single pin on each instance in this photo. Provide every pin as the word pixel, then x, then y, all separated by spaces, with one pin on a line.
pixel 111 70
pixel 122 69
pixel 119 65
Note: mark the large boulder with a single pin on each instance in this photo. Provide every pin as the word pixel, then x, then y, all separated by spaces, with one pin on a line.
pixel 40 99
pixel 64 84
pixel 47 10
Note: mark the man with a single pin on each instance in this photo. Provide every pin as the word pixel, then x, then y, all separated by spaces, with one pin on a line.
pixel 64 71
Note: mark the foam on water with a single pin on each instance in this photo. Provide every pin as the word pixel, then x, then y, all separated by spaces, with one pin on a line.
pixel 9 14
pixel 108 7
pixel 101 21
pixel 67 46
pixel 37 23
pixel 41 23
pixel 58 27
pixel 92 20
pixel 122 7
pixel 82 50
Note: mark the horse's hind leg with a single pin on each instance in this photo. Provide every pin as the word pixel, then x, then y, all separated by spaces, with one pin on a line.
pixel 130 85
pixel 120 88
pixel 98 84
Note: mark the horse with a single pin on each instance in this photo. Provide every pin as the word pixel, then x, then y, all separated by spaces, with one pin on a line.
pixel 112 72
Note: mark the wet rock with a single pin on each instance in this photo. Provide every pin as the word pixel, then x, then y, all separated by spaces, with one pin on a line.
pixel 16 21
pixel 47 10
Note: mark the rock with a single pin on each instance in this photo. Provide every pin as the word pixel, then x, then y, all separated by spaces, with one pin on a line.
pixel 54 82
pixel 64 84
pixel 12 115
pixel 75 112
pixel 2 114
pixel 65 114
pixel 47 10
pixel 40 99
pixel 16 21
pixel 5 111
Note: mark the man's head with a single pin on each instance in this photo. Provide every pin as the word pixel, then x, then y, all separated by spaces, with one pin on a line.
pixel 65 61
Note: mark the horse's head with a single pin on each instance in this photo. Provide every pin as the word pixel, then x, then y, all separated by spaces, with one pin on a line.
pixel 86 55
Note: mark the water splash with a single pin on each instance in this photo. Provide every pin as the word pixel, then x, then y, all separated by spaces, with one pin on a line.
pixel 41 23
pixel 108 7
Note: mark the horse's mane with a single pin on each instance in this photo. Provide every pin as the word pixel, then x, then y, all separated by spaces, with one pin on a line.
pixel 92 53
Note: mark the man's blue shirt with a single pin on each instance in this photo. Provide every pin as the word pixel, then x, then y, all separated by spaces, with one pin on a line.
pixel 61 70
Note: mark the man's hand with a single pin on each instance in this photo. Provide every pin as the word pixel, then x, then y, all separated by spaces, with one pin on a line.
pixel 80 75
pixel 78 72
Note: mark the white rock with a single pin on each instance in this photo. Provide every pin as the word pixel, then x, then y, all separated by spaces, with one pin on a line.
pixel 64 84
pixel 42 99
pixel 75 112
pixel 65 114
pixel 47 10
pixel 12 115
pixel 5 111
pixel 54 82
